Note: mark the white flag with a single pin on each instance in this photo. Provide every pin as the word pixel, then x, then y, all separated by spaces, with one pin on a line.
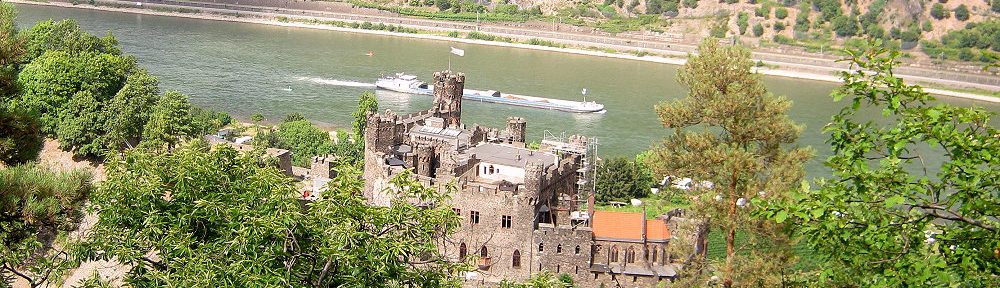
pixel 457 51
pixel 584 92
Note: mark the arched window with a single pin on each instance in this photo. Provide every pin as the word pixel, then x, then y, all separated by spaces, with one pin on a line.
pixel 630 255
pixel 491 169
pixel 613 253
pixel 541 247
pixel 462 251
pixel 577 249
pixel 483 253
pixel 516 260
pixel 559 248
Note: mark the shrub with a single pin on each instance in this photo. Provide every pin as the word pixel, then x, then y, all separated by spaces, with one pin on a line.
pixel 845 26
pixel 782 39
pixel 742 22
pixel 694 3
pixel 781 13
pixel 962 12
pixel 927 26
pixel 939 12
pixel 758 30
pixel 20 137
pixel 995 6
pixel 622 179
pixel 779 26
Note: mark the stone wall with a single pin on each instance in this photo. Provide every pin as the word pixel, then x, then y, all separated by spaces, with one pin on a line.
pixel 563 250
pixel 492 205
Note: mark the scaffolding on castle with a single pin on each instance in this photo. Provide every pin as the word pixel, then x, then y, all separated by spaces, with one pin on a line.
pixel 586 173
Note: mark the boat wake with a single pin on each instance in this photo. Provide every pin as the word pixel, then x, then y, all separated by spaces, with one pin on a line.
pixel 336 82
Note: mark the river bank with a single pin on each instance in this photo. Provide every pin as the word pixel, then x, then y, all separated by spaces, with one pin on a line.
pixel 790 70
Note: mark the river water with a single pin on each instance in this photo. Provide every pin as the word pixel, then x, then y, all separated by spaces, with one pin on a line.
pixel 246 68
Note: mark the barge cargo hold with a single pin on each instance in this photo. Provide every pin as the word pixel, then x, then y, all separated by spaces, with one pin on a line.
pixel 410 84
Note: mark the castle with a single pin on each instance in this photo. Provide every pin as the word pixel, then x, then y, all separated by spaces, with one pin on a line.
pixel 524 211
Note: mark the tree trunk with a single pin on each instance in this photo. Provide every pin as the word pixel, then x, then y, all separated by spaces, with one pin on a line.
pixel 731 234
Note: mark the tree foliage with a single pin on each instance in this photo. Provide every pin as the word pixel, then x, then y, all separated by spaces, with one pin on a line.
pixel 304 140
pixel 730 131
pixel 20 139
pixel 35 205
pixel 11 52
pixel 620 179
pixel 912 200
pixel 170 122
pixel 541 280
pixel 67 36
pixel 366 104
pixel 962 12
pixel 939 12
pixel 50 81
pixel 223 218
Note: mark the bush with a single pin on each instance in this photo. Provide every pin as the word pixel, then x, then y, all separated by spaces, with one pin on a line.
pixel 694 3
pixel 782 39
pixel 927 26
pixel 304 140
pixel 742 22
pixel 758 30
pixel 720 29
pixel 939 12
pixel 20 136
pixel 995 6
pixel 909 36
pixel 781 13
pixel 483 36
pixel 621 179
pixel 779 26
pixel 962 12
pixel 845 26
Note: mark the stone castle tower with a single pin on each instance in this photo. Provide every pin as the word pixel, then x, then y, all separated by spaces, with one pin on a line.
pixel 516 127
pixel 380 132
pixel 448 90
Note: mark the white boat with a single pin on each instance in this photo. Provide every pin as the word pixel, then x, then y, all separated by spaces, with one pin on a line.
pixel 410 84
pixel 405 84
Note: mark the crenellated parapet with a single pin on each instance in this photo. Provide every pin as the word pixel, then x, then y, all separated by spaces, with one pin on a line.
pixel 448 90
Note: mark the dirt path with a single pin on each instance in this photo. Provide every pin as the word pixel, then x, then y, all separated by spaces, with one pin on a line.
pixel 55 159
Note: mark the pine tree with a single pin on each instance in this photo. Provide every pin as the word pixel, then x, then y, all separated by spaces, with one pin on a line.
pixel 730 131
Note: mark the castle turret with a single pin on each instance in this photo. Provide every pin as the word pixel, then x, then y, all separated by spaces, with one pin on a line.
pixel 448 89
pixel 516 129
pixel 380 132
pixel 425 160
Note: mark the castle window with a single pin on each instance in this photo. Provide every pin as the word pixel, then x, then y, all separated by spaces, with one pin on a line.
pixel 577 249
pixel 462 251
pixel 613 254
pixel 630 255
pixel 516 260
pixel 654 255
pixel 474 217
pixel 559 248
pixel 483 253
pixel 505 221
pixel 491 169
pixel 541 247
pixel 457 211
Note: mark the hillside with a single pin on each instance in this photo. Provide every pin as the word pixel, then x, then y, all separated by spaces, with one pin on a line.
pixel 814 24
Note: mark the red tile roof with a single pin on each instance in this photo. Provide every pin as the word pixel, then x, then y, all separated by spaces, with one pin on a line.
pixel 628 226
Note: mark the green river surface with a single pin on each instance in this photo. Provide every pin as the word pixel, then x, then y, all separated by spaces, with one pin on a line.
pixel 246 68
